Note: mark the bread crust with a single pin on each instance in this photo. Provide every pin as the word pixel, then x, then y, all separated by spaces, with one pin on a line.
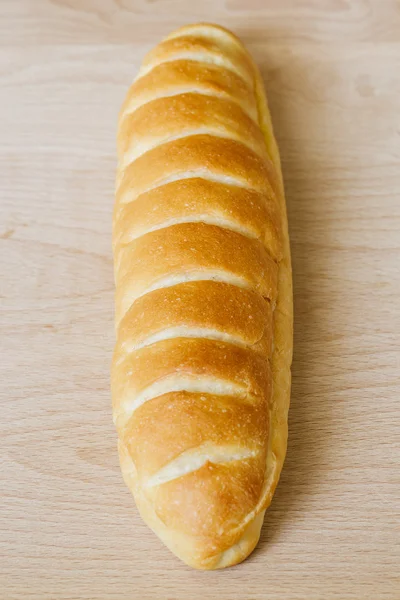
pixel 201 368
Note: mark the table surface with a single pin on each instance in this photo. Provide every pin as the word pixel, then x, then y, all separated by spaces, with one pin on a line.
pixel 68 526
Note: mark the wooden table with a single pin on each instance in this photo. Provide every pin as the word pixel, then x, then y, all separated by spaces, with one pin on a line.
pixel 69 528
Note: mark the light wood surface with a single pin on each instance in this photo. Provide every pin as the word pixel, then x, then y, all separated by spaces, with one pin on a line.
pixel 68 526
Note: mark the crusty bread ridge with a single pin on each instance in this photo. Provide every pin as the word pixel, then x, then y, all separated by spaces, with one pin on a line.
pixel 201 368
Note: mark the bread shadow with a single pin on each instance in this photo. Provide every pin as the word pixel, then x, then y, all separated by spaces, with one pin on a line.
pixel 307 443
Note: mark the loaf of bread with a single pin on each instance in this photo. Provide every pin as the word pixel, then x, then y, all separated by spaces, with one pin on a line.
pixel 201 369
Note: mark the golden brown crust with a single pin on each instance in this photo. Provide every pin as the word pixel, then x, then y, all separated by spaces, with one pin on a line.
pixel 195 360
pixel 166 118
pixel 182 76
pixel 191 250
pixel 201 369
pixel 210 420
pixel 194 47
pixel 204 155
pixel 211 307
pixel 196 199
pixel 215 510
pixel 196 550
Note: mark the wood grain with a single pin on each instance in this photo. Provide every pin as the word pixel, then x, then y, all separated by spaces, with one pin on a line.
pixel 68 526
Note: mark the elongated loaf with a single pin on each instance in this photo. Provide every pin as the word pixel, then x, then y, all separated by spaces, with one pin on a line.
pixel 201 369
